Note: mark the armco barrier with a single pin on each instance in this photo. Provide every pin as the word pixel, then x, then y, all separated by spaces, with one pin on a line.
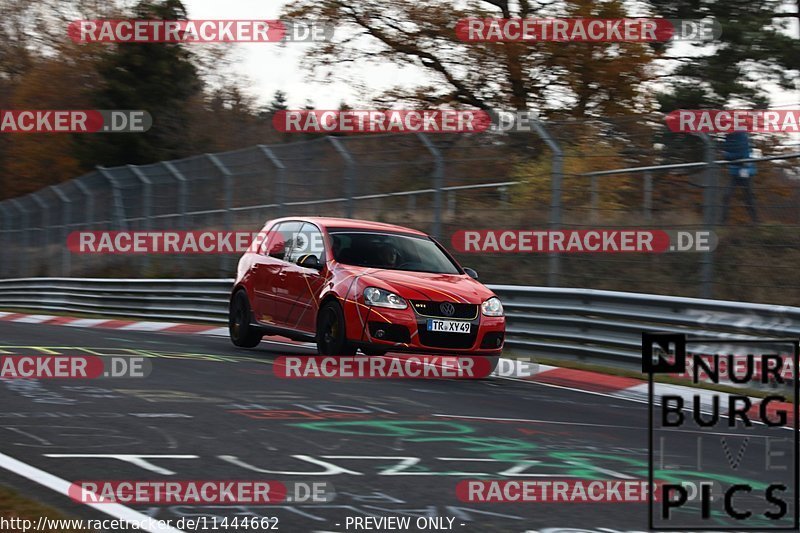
pixel 203 300
pixel 607 326
pixel 586 324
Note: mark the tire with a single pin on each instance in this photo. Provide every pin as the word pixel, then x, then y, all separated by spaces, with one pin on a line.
pixel 331 333
pixel 240 327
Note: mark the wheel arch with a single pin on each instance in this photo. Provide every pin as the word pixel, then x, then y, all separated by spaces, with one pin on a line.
pixel 236 288
pixel 329 297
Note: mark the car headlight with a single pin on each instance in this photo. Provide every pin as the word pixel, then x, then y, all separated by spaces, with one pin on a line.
pixel 381 298
pixel 492 307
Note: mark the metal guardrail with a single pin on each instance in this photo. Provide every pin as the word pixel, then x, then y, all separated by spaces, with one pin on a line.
pixel 203 300
pixel 586 324
pixel 607 326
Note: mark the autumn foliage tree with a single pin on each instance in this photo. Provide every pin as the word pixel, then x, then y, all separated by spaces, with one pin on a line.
pixel 51 83
pixel 195 107
pixel 418 39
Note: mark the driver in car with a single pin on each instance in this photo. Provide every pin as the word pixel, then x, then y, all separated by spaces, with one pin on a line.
pixel 389 257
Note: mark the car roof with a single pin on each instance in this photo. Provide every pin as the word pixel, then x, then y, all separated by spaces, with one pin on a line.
pixel 352 223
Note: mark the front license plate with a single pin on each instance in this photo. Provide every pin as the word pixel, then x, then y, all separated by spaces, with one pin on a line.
pixel 448 326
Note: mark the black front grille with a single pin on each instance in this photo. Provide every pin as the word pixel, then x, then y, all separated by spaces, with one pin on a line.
pixel 434 309
pixel 438 339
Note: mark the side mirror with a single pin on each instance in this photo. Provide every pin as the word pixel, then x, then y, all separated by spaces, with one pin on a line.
pixel 471 273
pixel 277 252
pixel 310 261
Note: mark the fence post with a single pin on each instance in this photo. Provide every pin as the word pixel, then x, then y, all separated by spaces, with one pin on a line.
pixel 225 263
pixel 555 197
pixel 595 198
pixel 24 228
pixel 279 196
pixel 709 213
pixel 119 206
pixel 147 208
pixel 183 195
pixel 147 196
pixel 349 174
pixel 89 200
pixel 503 195
pixel 648 196
pixel 6 239
pixel 44 236
pixel 183 191
pixel 66 220
pixel 451 203
pixel 438 184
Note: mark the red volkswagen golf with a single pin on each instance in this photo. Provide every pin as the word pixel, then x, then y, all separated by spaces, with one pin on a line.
pixel 349 284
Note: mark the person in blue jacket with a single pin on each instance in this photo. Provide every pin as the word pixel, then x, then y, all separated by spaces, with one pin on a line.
pixel 737 146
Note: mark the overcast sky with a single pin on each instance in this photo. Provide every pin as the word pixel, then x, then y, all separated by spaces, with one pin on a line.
pixel 270 67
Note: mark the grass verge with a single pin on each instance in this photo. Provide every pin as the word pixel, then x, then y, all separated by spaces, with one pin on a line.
pixel 12 506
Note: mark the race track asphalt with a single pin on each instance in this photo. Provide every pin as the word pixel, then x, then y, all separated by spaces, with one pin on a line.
pixel 212 411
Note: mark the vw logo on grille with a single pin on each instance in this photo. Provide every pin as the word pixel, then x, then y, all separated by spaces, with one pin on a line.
pixel 447 309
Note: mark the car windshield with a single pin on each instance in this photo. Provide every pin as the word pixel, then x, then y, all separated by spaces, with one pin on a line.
pixel 390 251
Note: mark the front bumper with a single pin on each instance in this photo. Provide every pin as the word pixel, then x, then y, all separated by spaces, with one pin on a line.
pixel 406 331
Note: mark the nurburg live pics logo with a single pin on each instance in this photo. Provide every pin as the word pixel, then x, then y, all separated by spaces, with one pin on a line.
pixel 730 435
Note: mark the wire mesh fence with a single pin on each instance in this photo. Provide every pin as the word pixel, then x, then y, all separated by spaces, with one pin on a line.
pixel 626 173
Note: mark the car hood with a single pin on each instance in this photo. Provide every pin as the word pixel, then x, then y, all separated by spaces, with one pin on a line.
pixel 425 285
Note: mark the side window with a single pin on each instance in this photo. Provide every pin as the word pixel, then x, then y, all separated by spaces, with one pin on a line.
pixel 308 241
pixel 280 240
pixel 341 244
pixel 266 239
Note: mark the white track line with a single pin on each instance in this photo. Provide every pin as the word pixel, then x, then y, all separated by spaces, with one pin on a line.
pixel 34 319
pixel 85 322
pixel 616 395
pixel 561 422
pixel 62 487
pixel 148 326
pixel 557 422
pixel 217 332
